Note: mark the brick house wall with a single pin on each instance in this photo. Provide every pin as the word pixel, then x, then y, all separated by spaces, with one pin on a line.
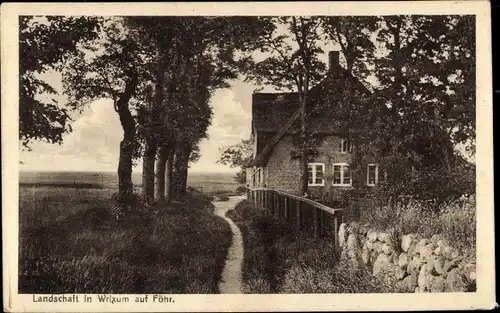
pixel 284 172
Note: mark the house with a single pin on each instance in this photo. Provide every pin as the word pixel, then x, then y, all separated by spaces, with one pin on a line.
pixel 276 122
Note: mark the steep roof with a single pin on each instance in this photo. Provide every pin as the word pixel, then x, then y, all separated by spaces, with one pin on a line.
pixel 271 110
pixel 278 113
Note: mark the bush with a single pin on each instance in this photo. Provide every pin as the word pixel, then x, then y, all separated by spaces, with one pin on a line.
pixel 241 189
pixel 434 183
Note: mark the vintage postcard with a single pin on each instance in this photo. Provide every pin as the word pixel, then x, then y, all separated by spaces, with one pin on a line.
pixel 268 156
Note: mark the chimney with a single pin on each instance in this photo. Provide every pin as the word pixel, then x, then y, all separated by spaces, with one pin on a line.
pixel 333 59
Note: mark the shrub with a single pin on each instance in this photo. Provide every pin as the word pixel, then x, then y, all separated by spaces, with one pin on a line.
pixel 435 183
pixel 241 189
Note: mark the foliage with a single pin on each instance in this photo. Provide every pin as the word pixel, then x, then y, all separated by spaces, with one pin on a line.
pixel 353 35
pixel 45 44
pixel 427 66
pixel 194 57
pixel 293 54
pixel 434 183
pixel 236 155
pixel 414 117
pixel 199 56
pixel 73 243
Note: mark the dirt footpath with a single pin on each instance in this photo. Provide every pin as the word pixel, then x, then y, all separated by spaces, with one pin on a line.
pixel 231 275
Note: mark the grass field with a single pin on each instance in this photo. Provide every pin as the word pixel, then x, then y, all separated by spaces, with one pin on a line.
pixel 205 182
pixel 73 241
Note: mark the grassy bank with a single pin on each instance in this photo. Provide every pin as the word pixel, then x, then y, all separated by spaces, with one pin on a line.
pixel 71 241
pixel 278 260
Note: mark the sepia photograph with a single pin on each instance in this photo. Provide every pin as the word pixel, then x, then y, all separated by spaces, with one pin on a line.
pixel 200 160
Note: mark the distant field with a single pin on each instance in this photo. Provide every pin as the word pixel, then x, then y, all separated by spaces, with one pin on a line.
pixel 205 182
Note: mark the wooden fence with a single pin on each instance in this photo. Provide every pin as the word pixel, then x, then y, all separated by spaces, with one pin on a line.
pixel 305 214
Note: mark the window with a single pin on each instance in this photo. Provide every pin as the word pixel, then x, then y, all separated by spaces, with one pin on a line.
pixel 372 174
pixel 345 146
pixel 341 175
pixel 315 172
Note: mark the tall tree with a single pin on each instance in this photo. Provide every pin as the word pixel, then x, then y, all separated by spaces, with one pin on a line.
pixel 416 115
pixel 115 68
pixel 201 54
pixel 293 65
pixel 45 43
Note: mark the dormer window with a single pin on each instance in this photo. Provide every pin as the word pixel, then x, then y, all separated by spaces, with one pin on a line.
pixel 345 146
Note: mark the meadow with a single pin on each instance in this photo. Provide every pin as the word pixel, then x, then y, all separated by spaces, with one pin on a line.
pixel 72 239
pixel 204 182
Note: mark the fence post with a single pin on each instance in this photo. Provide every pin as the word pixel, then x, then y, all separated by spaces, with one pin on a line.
pixel 335 230
pixel 278 206
pixel 286 208
pixel 320 222
pixel 273 195
pixel 281 206
pixel 315 220
pixel 297 214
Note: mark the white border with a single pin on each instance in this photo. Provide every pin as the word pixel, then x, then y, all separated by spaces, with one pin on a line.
pixel 483 298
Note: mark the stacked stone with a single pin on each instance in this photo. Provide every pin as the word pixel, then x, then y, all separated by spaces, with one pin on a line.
pixel 411 264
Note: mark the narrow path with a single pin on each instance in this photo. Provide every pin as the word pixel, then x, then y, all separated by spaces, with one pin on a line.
pixel 231 275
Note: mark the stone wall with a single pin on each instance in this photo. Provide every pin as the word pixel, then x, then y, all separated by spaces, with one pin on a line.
pixel 409 264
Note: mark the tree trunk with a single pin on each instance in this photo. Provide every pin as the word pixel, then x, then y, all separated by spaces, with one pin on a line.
pixel 160 174
pixel 148 172
pixel 168 175
pixel 303 130
pixel 179 180
pixel 183 177
pixel 175 185
pixel 127 145
pixel 125 185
